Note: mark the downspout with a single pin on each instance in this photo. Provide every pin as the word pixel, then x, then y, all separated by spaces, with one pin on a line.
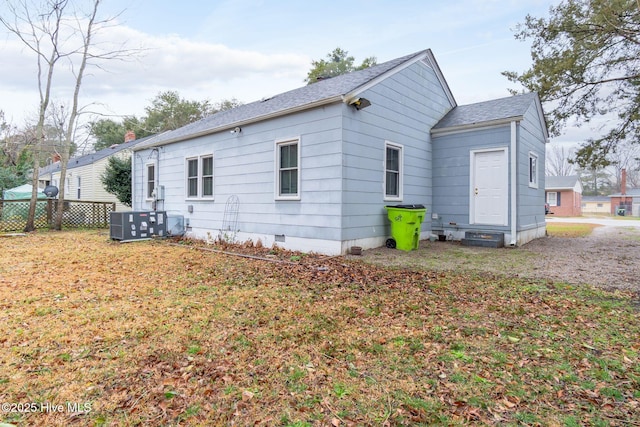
pixel 514 183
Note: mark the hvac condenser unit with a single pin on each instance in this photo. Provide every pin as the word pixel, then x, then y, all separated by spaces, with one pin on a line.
pixel 130 226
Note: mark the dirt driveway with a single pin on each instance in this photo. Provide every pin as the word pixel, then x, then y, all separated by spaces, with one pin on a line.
pixel 609 257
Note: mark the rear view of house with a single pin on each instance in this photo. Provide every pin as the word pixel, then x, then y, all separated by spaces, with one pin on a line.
pixel 313 168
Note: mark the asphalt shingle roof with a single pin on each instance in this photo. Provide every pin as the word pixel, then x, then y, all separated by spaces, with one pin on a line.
pixel 560 182
pixel 322 91
pixel 87 159
pixel 631 192
pixel 487 111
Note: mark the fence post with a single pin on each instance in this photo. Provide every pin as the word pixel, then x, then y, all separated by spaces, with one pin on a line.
pixel 49 211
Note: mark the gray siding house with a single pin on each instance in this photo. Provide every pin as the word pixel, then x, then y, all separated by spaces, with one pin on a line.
pixel 313 168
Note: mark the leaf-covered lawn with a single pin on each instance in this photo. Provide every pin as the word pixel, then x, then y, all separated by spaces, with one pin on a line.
pixel 150 333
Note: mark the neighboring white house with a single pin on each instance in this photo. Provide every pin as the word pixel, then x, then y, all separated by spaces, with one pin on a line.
pixel 83 181
pixel 313 168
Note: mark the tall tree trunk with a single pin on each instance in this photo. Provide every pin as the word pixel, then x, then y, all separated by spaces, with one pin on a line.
pixel 66 146
pixel 32 33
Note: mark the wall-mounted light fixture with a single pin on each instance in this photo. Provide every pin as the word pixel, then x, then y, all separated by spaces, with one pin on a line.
pixel 236 130
pixel 360 103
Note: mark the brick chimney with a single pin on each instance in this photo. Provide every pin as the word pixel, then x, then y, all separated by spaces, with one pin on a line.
pixel 623 182
pixel 129 136
pixel 55 157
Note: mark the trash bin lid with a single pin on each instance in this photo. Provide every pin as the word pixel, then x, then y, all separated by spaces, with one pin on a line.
pixel 406 206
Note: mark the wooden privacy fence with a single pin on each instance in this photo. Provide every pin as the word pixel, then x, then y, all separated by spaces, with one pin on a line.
pixel 76 214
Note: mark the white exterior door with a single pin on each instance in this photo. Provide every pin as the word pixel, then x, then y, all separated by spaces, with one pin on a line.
pixel 489 187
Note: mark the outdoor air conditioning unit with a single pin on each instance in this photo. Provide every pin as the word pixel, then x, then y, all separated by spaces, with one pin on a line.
pixel 130 226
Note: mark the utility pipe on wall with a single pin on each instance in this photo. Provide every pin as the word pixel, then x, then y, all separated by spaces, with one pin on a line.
pixel 514 183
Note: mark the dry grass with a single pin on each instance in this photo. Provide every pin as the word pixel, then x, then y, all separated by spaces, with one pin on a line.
pixel 564 229
pixel 152 334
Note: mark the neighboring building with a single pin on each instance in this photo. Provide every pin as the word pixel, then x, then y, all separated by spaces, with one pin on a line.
pixel 313 168
pixel 564 195
pixel 83 181
pixel 629 201
pixel 596 205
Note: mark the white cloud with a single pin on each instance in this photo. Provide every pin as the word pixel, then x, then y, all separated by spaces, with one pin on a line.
pixel 197 70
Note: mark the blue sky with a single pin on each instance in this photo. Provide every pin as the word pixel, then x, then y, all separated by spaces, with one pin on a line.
pixel 249 49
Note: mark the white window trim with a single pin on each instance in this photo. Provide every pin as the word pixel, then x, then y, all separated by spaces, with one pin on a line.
pixel 279 144
pixel 555 198
pixel 78 186
pixel 146 179
pixel 400 196
pixel 199 195
pixel 201 177
pixel 534 183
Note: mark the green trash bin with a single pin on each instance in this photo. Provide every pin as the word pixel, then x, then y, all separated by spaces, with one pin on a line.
pixel 406 221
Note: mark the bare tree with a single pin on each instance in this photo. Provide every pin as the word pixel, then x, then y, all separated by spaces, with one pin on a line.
pixel 73 115
pixel 558 160
pixel 39 31
pixel 626 155
pixel 55 30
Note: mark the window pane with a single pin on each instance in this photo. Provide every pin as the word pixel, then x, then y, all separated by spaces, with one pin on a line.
pixel 193 168
pixel 393 159
pixel 207 166
pixel 392 184
pixel 289 156
pixel 289 182
pixel 193 187
pixel 207 186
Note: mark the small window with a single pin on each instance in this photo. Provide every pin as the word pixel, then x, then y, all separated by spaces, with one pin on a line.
pixel 288 170
pixel 393 172
pixel 79 187
pixel 533 170
pixel 199 177
pixel 552 198
pixel 151 180
pixel 600 205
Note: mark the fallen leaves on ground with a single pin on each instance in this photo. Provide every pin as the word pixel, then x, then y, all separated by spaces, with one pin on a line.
pixel 154 333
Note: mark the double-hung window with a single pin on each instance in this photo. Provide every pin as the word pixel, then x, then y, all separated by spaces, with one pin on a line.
pixel 79 187
pixel 288 170
pixel 151 180
pixel 199 177
pixel 393 172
